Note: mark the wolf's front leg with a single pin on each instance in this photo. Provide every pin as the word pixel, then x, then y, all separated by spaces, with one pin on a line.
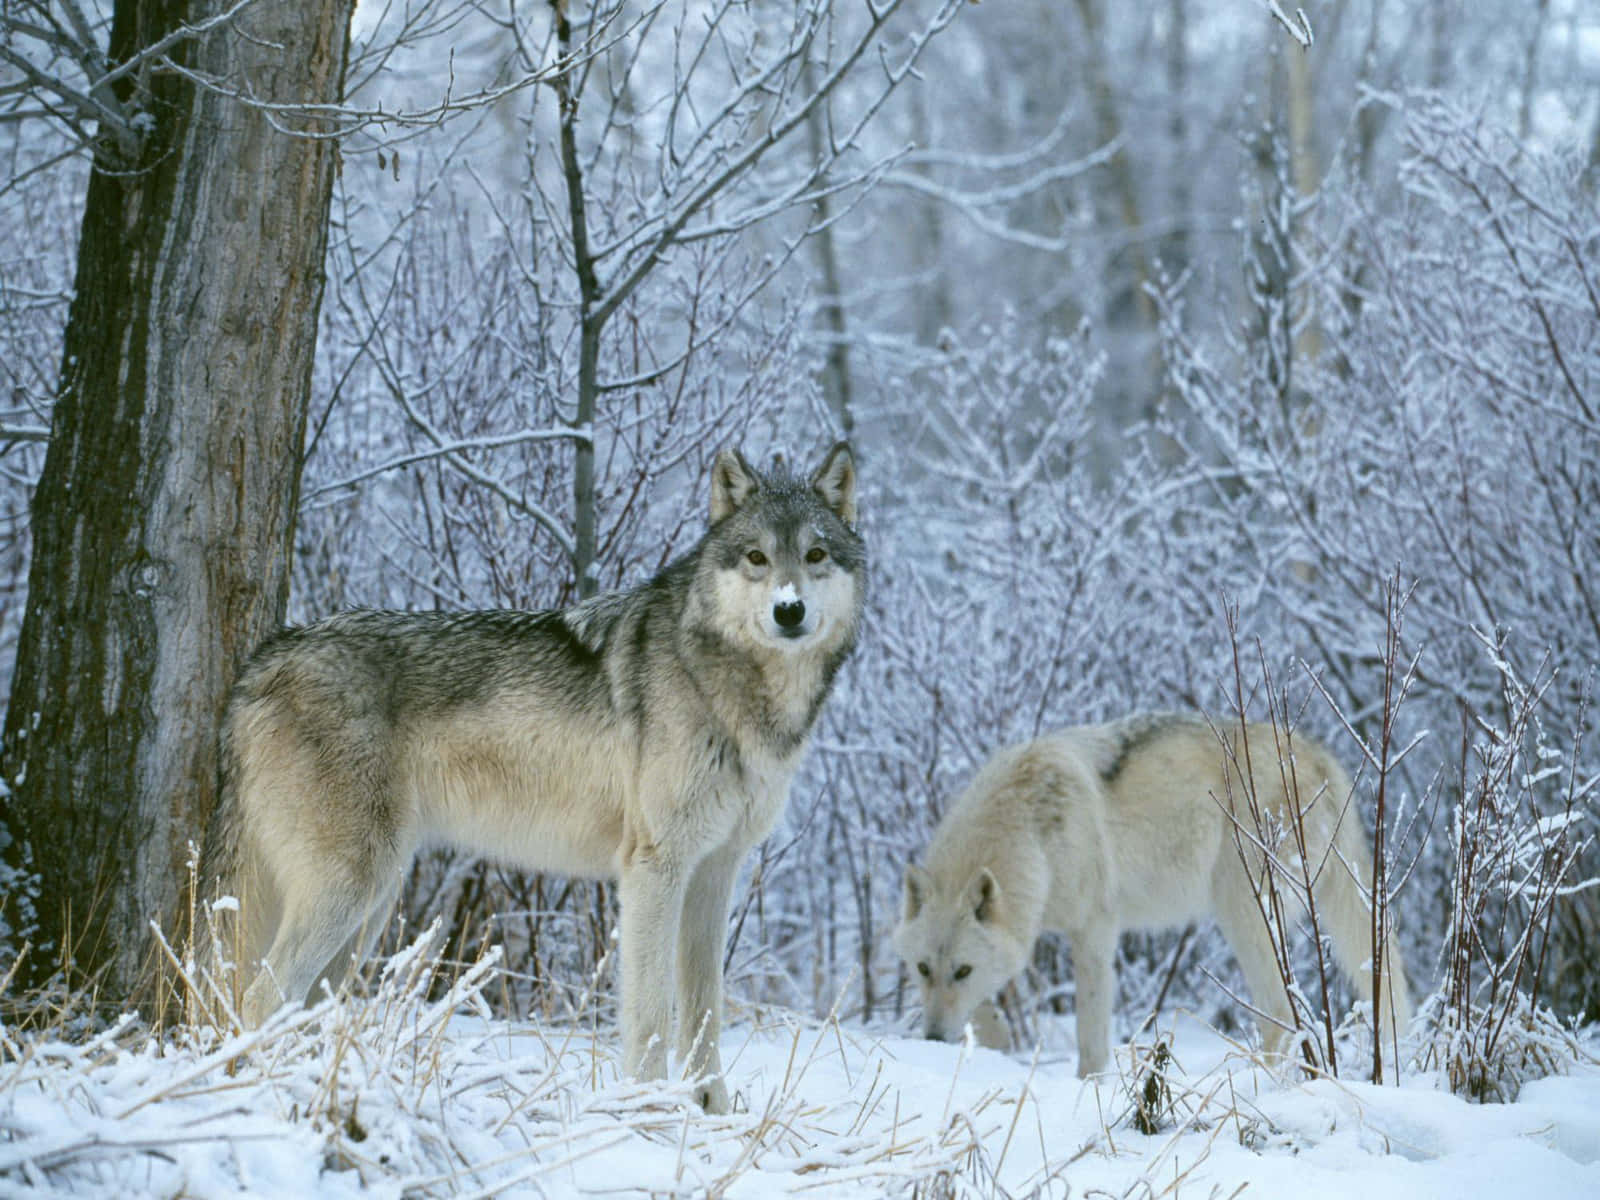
pixel 651 891
pixel 702 934
pixel 1094 957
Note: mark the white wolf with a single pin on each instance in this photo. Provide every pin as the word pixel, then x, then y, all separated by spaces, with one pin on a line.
pixel 1102 828
pixel 648 736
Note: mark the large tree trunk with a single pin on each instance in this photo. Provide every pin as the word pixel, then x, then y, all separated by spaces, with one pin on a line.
pixel 163 521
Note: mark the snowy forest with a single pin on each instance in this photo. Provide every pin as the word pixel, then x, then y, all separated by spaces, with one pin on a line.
pixel 1209 355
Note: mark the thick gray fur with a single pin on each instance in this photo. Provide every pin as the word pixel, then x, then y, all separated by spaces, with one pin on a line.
pixel 647 736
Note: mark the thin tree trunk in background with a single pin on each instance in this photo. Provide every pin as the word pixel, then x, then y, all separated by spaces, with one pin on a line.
pixel 1175 246
pixel 836 367
pixel 1302 129
pixel 1269 264
pixel 164 517
pixel 1370 118
pixel 1305 170
pixel 585 538
pixel 1109 127
pixel 1440 29
pixel 1530 69
pixel 933 313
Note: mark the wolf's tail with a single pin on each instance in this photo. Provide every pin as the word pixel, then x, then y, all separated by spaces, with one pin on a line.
pixel 1345 903
pixel 235 906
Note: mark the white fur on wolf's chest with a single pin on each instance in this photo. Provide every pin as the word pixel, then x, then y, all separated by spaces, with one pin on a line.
pixel 793 685
pixel 752 796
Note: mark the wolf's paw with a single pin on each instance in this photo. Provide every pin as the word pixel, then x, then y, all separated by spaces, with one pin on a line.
pixel 712 1095
pixel 648 1063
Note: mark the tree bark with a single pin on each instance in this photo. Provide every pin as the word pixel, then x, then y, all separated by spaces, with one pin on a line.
pixel 164 518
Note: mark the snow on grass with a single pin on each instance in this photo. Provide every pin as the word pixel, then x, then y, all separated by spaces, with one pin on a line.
pixel 399 1095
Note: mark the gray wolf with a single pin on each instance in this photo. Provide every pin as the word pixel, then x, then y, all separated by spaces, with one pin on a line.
pixel 648 736
pixel 1130 825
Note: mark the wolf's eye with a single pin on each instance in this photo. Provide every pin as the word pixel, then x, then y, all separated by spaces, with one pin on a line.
pixel 815 555
pixel 963 971
pixel 922 969
pixel 756 559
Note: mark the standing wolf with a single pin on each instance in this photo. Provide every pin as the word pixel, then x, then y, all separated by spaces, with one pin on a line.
pixel 647 736
pixel 1102 828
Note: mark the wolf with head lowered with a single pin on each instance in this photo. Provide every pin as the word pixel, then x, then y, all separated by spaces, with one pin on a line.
pixel 1144 823
pixel 647 736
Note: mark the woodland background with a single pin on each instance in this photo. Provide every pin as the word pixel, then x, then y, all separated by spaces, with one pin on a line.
pixel 1195 354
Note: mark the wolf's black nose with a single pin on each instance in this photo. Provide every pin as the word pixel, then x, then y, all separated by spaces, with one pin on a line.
pixel 789 614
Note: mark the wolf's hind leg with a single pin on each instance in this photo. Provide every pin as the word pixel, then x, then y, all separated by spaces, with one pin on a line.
pixel 1240 917
pixel 1344 904
pixel 359 945
pixel 313 927
pixel 702 936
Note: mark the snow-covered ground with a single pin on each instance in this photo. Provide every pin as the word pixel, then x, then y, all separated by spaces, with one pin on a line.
pixel 397 1096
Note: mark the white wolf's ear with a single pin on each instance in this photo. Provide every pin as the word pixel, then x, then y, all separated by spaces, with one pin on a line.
pixel 732 481
pixel 835 482
pixel 983 895
pixel 917 885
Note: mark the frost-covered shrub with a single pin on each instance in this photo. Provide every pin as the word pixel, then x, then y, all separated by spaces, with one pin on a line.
pixel 1443 426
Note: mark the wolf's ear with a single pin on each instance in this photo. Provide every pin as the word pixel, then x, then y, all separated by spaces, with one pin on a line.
pixel 917 885
pixel 983 895
pixel 835 482
pixel 732 481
